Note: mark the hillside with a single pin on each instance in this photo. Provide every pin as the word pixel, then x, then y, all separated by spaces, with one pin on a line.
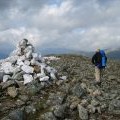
pixel 75 98
pixel 114 54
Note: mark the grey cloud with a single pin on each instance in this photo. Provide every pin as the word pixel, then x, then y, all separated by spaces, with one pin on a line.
pixel 74 24
pixel 6 4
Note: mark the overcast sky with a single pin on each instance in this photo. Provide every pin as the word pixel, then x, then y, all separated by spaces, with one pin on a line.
pixel 73 24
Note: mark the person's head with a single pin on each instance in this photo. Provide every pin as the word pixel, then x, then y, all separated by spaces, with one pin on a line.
pixel 97 50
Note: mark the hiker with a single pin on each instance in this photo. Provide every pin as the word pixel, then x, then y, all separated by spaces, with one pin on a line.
pixel 99 59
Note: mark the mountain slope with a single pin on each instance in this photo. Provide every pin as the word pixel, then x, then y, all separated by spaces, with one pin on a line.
pixel 68 99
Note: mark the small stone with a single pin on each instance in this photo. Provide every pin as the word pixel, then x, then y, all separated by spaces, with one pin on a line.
pixel 24 98
pixel 94 103
pixel 84 102
pixel 27 62
pixel 59 82
pixel 6 78
pixel 90 91
pixel 96 93
pixel 98 110
pixel 52 75
pixel 56 98
pixel 12 92
pixel 19 102
pixel 63 77
pixel 112 77
pixel 65 88
pixel 83 85
pixel 17 115
pixel 114 106
pixel 83 113
pixel 30 110
pixel 74 105
pixel 103 107
pixel 91 108
pixel 27 69
pixel 60 111
pixel 46 78
pixel 78 91
pixel 37 69
pixel 27 78
pixel 18 76
pixel 47 116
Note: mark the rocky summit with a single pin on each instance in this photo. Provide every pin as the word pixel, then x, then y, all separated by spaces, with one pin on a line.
pixel 60 87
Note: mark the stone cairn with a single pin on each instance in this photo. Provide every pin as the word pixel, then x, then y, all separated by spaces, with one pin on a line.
pixel 25 65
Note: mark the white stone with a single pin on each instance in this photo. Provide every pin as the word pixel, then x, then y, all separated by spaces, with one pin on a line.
pixel 40 75
pixel 42 68
pixel 35 56
pixel 29 48
pixel 63 77
pixel 51 58
pixel 46 78
pixel 22 58
pixel 52 75
pixel 27 78
pixel 11 59
pixel 5 78
pixel 26 62
pixel 29 54
pixel 41 58
pixel 50 69
pixel 16 52
pixel 33 62
pixel 27 69
pixel 7 67
pixel 20 62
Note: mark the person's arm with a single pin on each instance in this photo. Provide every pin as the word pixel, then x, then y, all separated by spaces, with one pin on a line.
pixel 93 59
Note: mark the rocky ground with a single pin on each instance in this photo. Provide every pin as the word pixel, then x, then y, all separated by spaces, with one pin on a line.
pixel 75 98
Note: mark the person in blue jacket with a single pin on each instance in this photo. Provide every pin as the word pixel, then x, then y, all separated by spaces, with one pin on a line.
pixel 99 59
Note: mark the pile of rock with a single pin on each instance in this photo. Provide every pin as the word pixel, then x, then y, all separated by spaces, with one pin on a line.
pixel 25 65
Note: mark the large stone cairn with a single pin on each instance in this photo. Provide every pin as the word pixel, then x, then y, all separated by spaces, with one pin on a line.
pixel 25 65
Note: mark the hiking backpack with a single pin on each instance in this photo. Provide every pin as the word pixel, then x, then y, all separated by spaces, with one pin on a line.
pixel 103 59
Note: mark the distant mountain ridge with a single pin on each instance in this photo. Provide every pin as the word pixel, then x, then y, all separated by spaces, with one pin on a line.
pixel 48 51
pixel 115 54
